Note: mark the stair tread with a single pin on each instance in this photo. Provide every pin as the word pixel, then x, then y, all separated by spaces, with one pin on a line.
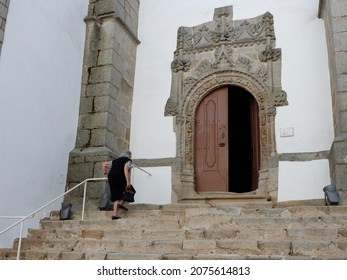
pixel 43 255
pixel 192 231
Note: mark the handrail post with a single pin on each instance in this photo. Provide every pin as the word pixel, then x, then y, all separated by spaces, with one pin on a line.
pixel 20 240
pixel 32 214
pixel 84 199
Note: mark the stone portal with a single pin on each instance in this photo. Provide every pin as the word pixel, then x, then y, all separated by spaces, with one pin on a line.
pixel 223 53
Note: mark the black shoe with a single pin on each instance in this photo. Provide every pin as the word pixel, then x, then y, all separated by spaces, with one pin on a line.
pixel 115 217
pixel 122 207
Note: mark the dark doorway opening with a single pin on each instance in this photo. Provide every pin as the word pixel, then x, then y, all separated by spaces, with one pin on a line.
pixel 243 140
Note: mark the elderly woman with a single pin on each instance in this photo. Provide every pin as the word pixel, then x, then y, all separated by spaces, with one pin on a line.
pixel 119 180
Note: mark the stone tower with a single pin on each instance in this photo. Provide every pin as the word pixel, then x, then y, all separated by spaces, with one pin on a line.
pixel 4 5
pixel 333 12
pixel 107 89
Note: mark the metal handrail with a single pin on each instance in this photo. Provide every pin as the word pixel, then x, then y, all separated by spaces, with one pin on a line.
pixel 20 230
pixel 32 214
pixel 139 168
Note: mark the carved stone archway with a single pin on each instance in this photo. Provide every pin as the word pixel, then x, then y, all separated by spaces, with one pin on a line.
pixel 219 53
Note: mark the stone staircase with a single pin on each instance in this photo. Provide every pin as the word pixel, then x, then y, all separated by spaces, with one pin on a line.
pixel 191 231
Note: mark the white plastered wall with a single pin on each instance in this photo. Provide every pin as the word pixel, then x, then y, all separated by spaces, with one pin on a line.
pixel 153 187
pixel 308 118
pixel 303 180
pixel 40 84
pixel 305 78
pixel 40 74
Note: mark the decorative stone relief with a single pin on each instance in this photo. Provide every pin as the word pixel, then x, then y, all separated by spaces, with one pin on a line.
pixel 204 67
pixel 280 98
pixel 180 65
pixel 224 52
pixel 269 54
pixel 171 108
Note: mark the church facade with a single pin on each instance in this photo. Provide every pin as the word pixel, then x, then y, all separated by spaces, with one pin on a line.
pixel 222 99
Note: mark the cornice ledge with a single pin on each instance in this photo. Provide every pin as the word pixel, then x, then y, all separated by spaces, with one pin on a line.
pixel 321 8
pixel 114 16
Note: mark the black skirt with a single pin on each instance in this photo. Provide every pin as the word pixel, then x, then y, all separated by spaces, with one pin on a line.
pixel 116 178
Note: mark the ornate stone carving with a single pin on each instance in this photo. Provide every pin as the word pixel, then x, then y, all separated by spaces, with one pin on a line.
pixel 269 54
pixel 271 112
pixel 203 68
pixel 223 12
pixel 221 53
pixel 280 98
pixel 171 108
pixel 180 65
pixel 244 63
pixel 180 121
pixel 261 73
pixel 189 82
pixel 226 31
pixel 184 39
pixel 223 32
pixel 203 37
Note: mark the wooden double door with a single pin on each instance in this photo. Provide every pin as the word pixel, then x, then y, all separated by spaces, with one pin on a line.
pixel 227 150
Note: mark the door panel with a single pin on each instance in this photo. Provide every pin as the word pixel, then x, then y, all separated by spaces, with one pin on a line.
pixel 255 138
pixel 211 142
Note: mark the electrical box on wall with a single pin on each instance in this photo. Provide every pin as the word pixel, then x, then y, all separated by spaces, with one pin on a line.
pixel 287 132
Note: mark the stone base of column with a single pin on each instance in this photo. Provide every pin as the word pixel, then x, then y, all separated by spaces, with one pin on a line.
pixel 85 163
pixel 338 167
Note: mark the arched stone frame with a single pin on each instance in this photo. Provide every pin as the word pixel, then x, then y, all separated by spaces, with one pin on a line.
pixel 186 120
pixel 249 61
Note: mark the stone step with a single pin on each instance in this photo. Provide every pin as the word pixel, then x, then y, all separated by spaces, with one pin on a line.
pixel 271 233
pixel 224 214
pixel 202 246
pixel 220 209
pixel 221 222
pixel 162 250
pixel 110 234
pixel 131 223
pixel 248 200
pixel 198 231
pixel 68 255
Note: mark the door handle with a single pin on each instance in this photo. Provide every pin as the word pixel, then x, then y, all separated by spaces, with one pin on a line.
pixel 221 144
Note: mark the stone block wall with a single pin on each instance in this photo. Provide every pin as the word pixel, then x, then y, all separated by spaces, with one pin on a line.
pixel 334 14
pixel 4 5
pixel 107 87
